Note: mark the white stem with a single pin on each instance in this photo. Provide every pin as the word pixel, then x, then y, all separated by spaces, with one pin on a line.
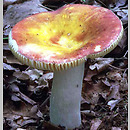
pixel 66 97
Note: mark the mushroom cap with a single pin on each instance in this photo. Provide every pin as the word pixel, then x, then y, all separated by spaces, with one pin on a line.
pixel 64 38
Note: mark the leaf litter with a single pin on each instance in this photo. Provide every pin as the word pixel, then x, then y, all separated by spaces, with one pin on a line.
pixel 104 103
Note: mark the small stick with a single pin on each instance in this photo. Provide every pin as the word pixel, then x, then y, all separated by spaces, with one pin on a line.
pixel 45 102
pixel 116 67
pixel 45 7
pixel 125 53
pixel 101 3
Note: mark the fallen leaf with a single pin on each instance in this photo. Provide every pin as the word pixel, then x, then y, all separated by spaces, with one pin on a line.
pixel 10 2
pixel 9 67
pixel 89 74
pixel 113 103
pixel 106 82
pixel 48 76
pixel 114 92
pixel 91 92
pixel 88 113
pixel 17 12
pixel 85 105
pixel 96 66
pixel 120 3
pixel 14 90
pixel 34 74
pixel 39 114
pixel 116 128
pixel 21 76
pixel 101 64
pixel 114 75
pixel 10 79
pixel 6 47
pixel 50 126
pixel 34 110
pixel 15 98
pixel 10 59
pixel 95 123
pixel 43 82
pixel 11 123
pixel 20 129
pixel 124 84
pixel 28 122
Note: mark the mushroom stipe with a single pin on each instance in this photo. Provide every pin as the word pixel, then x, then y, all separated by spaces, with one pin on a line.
pixel 61 41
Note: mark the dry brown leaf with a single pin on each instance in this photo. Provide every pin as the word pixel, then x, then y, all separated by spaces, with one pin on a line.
pixel 8 56
pixel 28 122
pixel 88 113
pixel 15 98
pixel 114 92
pixel 10 79
pixel 21 75
pixel 10 2
pixel 116 128
pixel 34 74
pixel 6 47
pixel 101 64
pixel 43 82
pixel 124 84
pixel 113 103
pixel 10 59
pixel 14 90
pixel 106 82
pixel 9 67
pixel 17 12
pixel 84 104
pixel 90 73
pixel 12 110
pixel 11 124
pixel 48 76
pixel 49 126
pixel 91 92
pixel 20 129
pixel 121 9
pixel 95 123
pixel 114 75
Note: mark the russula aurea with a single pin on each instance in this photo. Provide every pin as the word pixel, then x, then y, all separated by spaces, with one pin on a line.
pixel 61 41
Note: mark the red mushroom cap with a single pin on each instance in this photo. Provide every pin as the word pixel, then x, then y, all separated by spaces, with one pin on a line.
pixel 63 38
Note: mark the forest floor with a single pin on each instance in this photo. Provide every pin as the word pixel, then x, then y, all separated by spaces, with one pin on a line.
pixel 27 91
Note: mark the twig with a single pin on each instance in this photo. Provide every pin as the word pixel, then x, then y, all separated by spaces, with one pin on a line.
pixel 88 112
pixel 45 7
pixel 45 102
pixel 25 98
pixel 121 58
pixel 125 53
pixel 124 72
pixel 101 3
pixel 125 28
pixel 102 108
pixel 116 67
pixel 22 73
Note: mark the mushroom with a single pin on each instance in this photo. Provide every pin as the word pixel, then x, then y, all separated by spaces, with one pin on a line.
pixel 61 41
